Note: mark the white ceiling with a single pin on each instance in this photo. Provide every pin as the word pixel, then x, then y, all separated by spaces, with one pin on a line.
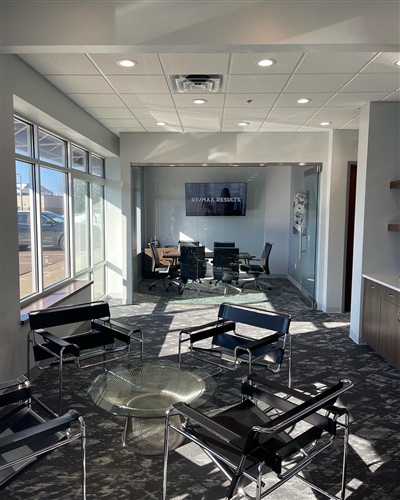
pixel 135 99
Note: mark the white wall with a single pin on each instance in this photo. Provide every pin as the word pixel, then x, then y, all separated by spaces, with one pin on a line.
pixel 376 251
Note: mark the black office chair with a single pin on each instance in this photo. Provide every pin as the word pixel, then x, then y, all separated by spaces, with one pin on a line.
pixel 167 272
pixel 265 449
pixel 226 268
pixel 26 437
pixel 193 267
pixel 256 270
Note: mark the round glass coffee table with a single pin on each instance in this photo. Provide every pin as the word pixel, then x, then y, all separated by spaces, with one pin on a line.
pixel 143 393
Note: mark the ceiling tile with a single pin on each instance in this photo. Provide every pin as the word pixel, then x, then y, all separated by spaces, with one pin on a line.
pixel 201 113
pixel 334 62
pixel 140 84
pixel 121 130
pixel 186 100
pixel 120 122
pixel 185 64
pixel 288 100
pixel 71 84
pixel 352 124
pixel 316 123
pixel 151 127
pixel 257 100
pixel 147 100
pixel 277 126
pixel 110 112
pixel 61 64
pixel 247 64
pixel 192 122
pixel 383 63
pixel 292 113
pixel 328 113
pixel 395 96
pixel 315 83
pixel 356 99
pixel 97 100
pixel 373 83
pixel 242 114
pixel 258 84
pixel 231 125
pixel 157 114
pixel 147 64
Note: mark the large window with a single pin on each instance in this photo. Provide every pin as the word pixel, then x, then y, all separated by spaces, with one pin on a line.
pixel 60 202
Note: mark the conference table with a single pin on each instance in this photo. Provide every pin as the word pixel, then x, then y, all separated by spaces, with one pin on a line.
pixel 174 255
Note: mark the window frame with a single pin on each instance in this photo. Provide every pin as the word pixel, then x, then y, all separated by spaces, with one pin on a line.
pixel 35 164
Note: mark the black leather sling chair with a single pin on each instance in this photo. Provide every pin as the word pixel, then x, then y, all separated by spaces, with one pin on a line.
pixel 249 445
pixel 241 335
pixel 98 337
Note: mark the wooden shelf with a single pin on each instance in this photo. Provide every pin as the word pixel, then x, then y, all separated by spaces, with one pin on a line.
pixel 394 227
pixel 395 185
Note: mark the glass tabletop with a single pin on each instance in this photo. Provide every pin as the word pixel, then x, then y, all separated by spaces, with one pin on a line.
pixel 148 390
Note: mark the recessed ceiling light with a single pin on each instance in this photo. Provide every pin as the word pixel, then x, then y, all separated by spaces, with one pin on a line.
pixel 303 100
pixel 126 63
pixel 325 123
pixel 161 124
pixel 266 62
pixel 243 124
pixel 199 101
pixel 397 63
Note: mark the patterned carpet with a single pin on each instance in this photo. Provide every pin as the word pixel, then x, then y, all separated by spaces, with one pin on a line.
pixel 322 354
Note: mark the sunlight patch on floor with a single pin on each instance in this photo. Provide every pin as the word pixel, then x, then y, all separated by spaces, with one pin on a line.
pixel 366 452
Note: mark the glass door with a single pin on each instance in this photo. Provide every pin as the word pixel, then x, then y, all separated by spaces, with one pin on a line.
pixel 308 235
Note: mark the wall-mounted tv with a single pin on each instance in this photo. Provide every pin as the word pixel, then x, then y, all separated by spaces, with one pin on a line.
pixel 216 198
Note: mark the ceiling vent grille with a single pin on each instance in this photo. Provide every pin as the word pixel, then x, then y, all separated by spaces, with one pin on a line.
pixel 196 83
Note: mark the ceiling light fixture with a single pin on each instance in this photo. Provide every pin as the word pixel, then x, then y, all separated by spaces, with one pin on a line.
pixel 199 101
pixel 266 62
pixel 161 124
pixel 243 124
pixel 325 123
pixel 303 100
pixel 126 63
pixel 397 63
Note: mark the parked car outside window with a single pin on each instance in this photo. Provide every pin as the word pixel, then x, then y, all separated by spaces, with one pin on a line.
pixel 52 229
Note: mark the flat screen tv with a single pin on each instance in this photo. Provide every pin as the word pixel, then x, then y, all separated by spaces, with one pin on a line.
pixel 216 198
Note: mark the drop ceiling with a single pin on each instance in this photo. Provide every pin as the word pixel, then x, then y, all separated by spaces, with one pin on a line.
pixel 135 99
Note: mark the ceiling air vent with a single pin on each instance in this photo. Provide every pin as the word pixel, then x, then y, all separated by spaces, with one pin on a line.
pixel 196 83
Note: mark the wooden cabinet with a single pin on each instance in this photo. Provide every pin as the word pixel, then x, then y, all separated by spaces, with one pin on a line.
pixel 390 326
pixel 381 320
pixel 371 314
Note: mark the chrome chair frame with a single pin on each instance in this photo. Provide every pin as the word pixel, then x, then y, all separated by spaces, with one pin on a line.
pixel 27 437
pixel 245 442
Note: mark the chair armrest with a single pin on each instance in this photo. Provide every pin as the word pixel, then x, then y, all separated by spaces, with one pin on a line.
pixel 69 347
pixel 205 422
pixel 301 395
pixel 218 328
pixel 253 346
pixel 323 400
pixel 199 327
pixel 37 432
pixel 13 383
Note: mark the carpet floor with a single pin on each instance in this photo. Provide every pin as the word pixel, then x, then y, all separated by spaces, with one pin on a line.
pixel 322 354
